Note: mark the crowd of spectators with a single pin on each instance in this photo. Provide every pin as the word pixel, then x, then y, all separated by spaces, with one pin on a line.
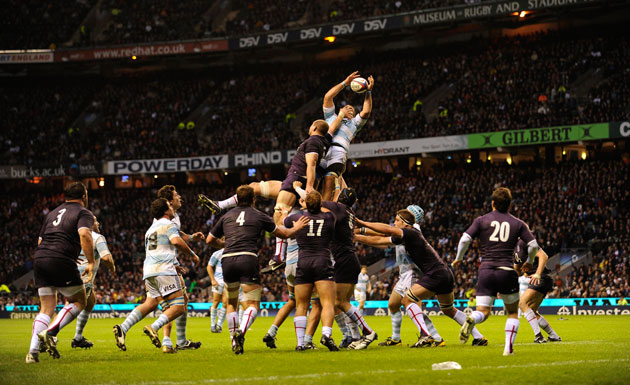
pixel 497 84
pixel 34 24
pixel 571 205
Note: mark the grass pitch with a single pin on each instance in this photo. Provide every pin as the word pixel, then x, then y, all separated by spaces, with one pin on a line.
pixel 594 350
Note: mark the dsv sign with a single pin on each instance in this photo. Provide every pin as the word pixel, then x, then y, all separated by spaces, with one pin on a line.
pixel 374 25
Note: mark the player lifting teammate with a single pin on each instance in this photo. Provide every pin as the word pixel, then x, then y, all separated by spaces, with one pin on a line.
pixel 314 268
pixel 66 230
pixel 241 227
pixel 498 233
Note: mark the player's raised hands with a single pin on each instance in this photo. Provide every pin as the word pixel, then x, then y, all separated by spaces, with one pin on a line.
pixel 370 81
pixel 198 236
pixel 351 77
pixel 456 263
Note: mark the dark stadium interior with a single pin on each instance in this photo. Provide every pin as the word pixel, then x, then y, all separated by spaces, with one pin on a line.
pixel 546 70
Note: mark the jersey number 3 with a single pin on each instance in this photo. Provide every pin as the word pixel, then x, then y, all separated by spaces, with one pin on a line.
pixel 58 220
pixel 502 229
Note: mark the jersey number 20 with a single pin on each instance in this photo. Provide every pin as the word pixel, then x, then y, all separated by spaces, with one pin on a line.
pixel 502 229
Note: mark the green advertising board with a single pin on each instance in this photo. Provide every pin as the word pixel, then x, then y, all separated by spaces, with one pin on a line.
pixel 535 136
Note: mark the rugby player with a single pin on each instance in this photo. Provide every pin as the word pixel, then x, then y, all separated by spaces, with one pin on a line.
pixel 314 268
pixel 303 168
pixel 362 288
pixel 241 227
pixel 101 255
pixel 540 283
pixel 289 273
pixel 408 273
pixel 437 280
pixel 161 279
pixel 334 162
pixel 498 233
pixel 169 193
pixel 219 294
pixel 65 231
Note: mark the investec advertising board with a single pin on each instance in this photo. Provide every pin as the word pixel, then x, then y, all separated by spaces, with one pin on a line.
pixel 550 306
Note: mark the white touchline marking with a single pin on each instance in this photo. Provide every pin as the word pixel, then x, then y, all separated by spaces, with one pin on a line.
pixel 371 372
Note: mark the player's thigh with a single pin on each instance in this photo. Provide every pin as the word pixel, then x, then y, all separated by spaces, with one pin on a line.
pixel 420 291
pixel 216 299
pixel 252 293
pixel 78 297
pixel 274 188
pixel 286 198
pixel 446 302
pixel 173 295
pixel 344 291
pixel 395 300
pixel 326 291
pixel 48 302
pixel 530 299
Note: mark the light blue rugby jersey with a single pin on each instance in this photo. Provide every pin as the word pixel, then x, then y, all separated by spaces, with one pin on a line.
pixel 100 250
pixel 292 246
pixel 348 130
pixel 362 283
pixel 161 254
pixel 215 262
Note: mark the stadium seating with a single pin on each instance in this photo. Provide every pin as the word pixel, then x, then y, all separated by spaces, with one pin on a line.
pixel 561 213
pixel 507 83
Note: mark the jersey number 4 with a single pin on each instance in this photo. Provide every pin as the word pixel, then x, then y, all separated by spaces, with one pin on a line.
pixel 310 233
pixel 502 229
pixel 241 218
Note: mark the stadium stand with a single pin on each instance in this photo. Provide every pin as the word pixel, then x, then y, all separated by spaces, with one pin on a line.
pixel 535 73
pixel 562 213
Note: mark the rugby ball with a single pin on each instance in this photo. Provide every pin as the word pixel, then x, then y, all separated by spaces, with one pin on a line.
pixel 359 85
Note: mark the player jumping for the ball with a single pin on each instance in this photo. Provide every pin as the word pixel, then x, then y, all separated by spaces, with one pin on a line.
pixel 334 163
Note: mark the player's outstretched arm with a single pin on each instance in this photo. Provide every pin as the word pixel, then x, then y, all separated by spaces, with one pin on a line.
pixel 284 233
pixel 365 231
pixel 182 246
pixel 311 164
pixel 367 102
pixel 374 241
pixel 542 262
pixel 335 90
pixel 381 228
pixel 211 275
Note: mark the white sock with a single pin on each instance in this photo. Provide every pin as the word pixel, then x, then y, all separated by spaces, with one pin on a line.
pixel 273 330
pixel 415 313
pixel 542 322
pixel 248 316
pixel 161 321
pixel 308 339
pixel 221 317
pixel 133 318
pixel 213 317
pixel 240 316
pixel 478 317
pixel 326 331
pixel 82 320
pixel 232 324
pixel 511 329
pixel 533 321
pixel 65 316
pixel 40 323
pixel 180 328
pixel 396 322
pixel 281 249
pixel 341 322
pixel 431 328
pixel 460 318
pixel 357 318
pixel 300 329
pixel 228 203
pixel 167 341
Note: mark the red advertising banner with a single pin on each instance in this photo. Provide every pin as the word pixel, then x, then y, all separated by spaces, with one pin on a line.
pixel 122 52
